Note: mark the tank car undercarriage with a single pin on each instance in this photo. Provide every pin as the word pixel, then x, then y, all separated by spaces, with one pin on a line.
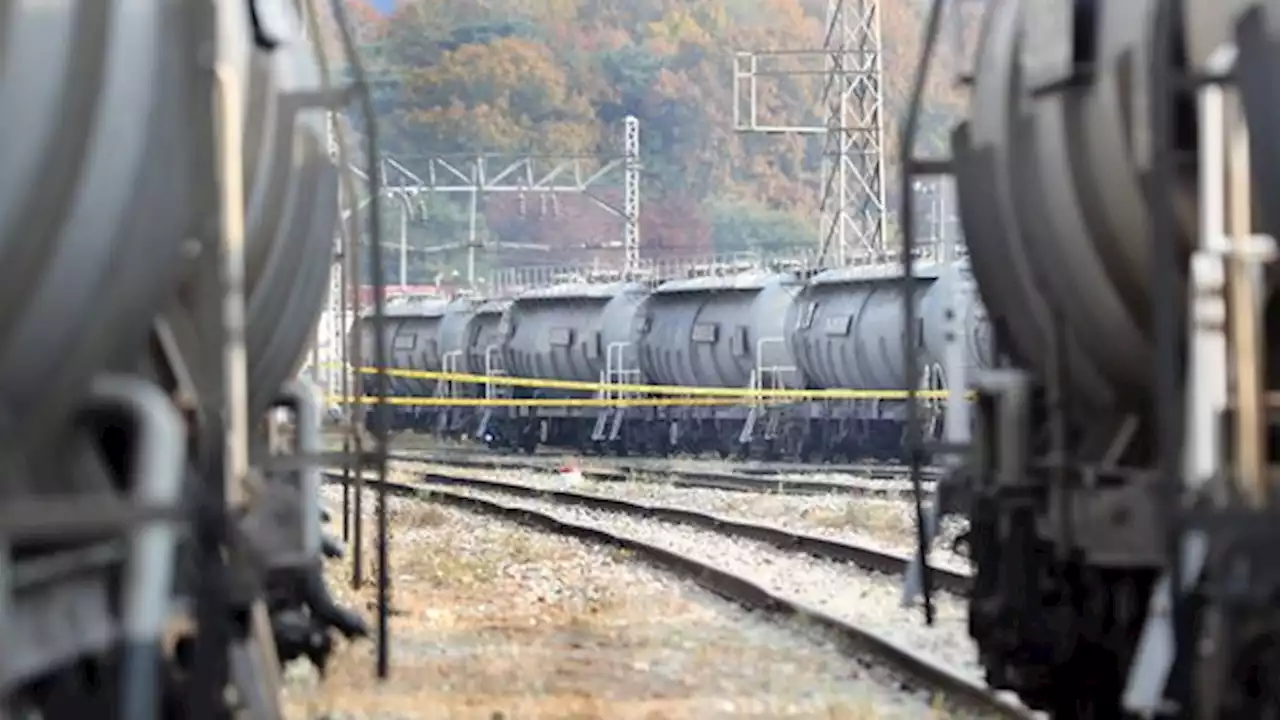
pixel 830 431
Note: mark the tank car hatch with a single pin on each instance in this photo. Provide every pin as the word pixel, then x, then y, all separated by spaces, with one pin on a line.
pixel 718 331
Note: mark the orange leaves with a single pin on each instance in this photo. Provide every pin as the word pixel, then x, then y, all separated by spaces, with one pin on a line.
pixel 508 94
pixel 556 77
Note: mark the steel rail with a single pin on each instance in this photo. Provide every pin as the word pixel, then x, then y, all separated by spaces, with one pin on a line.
pixel 825 548
pixel 923 673
pixel 676 476
pixel 875 471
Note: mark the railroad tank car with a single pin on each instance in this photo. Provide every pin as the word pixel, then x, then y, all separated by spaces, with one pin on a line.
pixel 1058 187
pixel 99 205
pixel 574 332
pixel 845 330
pixel 291 204
pixel 717 331
pixel 410 342
pixel 846 327
pixel 727 332
pixel 414 327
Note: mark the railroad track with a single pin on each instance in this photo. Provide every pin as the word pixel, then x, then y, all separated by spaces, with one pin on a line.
pixel 923 672
pixel 758 480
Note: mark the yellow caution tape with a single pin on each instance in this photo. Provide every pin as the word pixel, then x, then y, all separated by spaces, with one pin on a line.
pixel 545 402
pixel 741 393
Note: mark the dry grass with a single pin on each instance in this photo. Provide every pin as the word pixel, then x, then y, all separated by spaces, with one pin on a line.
pixel 871 516
pixel 495 622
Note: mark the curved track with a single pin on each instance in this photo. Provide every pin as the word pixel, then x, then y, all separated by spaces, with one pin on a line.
pixel 860 641
pixel 755 479
pixel 825 548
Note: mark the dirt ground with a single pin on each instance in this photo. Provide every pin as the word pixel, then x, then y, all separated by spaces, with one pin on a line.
pixel 492 621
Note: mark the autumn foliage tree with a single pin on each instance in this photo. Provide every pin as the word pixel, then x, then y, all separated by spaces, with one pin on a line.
pixel 557 77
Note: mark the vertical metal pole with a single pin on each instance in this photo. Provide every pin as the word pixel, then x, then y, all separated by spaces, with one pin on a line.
pixel 473 218
pixel 404 244
pixel 210 669
pixel 631 205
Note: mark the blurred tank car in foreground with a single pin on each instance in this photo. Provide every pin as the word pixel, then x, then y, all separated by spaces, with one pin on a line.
pixel 117 404
pixel 1123 442
pixel 740 329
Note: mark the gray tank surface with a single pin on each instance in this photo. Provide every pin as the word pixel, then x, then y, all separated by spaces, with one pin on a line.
pixel 291 211
pixel 712 331
pixel 414 329
pixel 566 332
pixel 846 327
pixel 470 329
pixel 1053 204
pixel 94 194
pixel 485 335
pixel 410 342
pixel 934 308
pixel 452 337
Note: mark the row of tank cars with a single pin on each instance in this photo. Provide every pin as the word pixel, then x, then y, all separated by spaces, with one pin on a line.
pixel 114 417
pixel 838 329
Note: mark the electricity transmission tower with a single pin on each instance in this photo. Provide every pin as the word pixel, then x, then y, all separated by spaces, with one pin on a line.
pixel 852 224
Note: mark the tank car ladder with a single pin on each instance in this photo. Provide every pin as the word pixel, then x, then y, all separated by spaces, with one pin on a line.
pixel 608 427
pixel 770 377
pixel 493 367
pixel 447 389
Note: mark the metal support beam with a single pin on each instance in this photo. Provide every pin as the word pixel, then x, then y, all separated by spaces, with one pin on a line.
pixel 852 207
pixel 544 176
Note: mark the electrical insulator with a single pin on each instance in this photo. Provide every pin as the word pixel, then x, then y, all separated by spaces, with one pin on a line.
pixel 555 205
pixel 524 204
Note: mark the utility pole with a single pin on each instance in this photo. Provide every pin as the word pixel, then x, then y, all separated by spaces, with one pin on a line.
pixel 852 222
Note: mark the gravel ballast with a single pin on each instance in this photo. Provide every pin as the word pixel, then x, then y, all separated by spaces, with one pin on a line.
pixel 492 620
pixel 866 599
pixel 886 524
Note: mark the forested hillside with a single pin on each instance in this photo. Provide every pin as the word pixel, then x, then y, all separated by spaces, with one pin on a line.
pixel 556 77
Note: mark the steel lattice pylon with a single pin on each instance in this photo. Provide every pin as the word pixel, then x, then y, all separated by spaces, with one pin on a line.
pixel 853 200
pixel 852 208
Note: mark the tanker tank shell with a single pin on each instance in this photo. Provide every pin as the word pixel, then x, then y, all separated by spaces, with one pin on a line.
pixel 573 332
pixel 94 193
pixel 713 331
pixel 486 333
pixel 975 337
pixel 291 210
pixel 413 328
pixel 847 327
